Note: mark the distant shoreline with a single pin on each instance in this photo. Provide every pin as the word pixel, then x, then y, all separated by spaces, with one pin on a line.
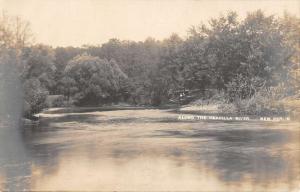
pixel 183 115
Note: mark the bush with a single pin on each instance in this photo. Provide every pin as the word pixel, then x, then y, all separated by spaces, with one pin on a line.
pixel 261 103
pixel 56 101
pixel 35 97
pixel 59 102
pixel 227 108
pixel 212 97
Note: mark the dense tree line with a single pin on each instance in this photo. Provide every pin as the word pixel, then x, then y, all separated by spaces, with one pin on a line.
pixel 229 55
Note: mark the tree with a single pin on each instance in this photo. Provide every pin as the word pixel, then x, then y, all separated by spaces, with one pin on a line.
pixel 11 102
pixel 290 27
pixel 62 56
pixel 14 32
pixel 35 96
pixel 39 65
pixel 251 53
pixel 214 51
pixel 96 81
pixel 27 97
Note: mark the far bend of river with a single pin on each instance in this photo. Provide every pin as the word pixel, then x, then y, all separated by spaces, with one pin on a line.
pixel 148 150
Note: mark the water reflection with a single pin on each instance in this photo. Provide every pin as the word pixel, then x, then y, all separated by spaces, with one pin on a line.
pixel 143 173
pixel 112 150
pixel 14 164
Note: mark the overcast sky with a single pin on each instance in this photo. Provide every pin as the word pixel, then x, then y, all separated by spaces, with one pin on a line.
pixel 77 22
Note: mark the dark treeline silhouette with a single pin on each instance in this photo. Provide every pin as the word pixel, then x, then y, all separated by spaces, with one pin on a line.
pixel 237 59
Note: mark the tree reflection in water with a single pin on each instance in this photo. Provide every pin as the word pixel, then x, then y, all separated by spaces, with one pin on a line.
pixel 110 150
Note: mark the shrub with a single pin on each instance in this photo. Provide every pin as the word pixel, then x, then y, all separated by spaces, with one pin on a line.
pixel 56 101
pixel 261 103
pixel 35 97
pixel 59 102
pixel 227 108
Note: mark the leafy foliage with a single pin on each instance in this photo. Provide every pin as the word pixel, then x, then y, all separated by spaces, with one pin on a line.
pixel 92 80
pixel 35 96
pixel 10 86
pixel 238 58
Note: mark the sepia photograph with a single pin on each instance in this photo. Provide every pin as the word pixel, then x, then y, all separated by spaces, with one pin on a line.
pixel 150 95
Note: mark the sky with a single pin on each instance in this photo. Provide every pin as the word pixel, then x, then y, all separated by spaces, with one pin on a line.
pixel 79 22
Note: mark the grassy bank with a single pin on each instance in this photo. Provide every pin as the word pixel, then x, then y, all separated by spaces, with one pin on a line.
pixel 260 104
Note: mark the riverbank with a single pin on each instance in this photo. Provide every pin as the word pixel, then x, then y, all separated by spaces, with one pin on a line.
pixel 290 109
pixel 75 109
pixel 141 114
pixel 203 111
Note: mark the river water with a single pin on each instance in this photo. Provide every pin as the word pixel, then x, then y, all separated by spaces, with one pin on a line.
pixel 148 150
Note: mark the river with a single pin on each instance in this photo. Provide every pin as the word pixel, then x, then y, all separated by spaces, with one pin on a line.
pixel 148 150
